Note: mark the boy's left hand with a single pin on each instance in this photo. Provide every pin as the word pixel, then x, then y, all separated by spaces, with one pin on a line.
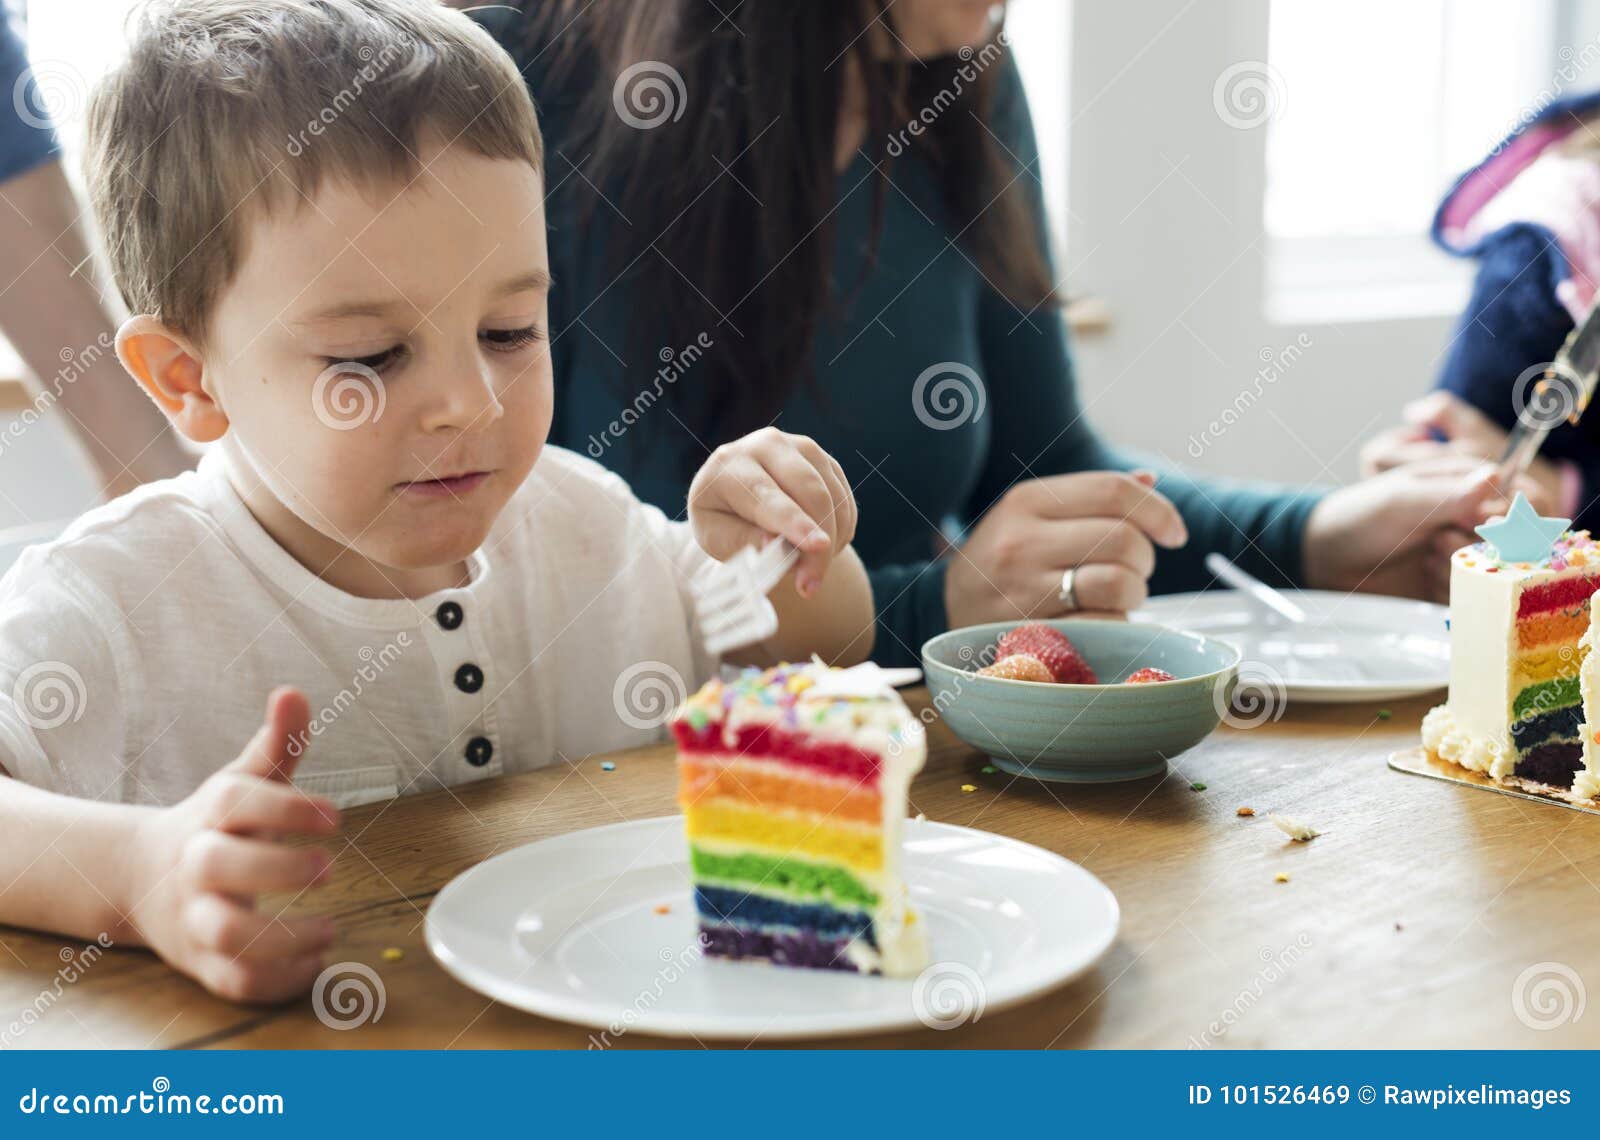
pixel 770 483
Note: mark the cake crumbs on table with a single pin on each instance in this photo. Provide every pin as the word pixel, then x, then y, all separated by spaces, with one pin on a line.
pixel 1297 830
pixel 1281 877
pixel 393 954
pixel 1245 811
pixel 969 788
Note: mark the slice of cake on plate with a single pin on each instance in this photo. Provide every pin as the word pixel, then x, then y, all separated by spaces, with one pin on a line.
pixel 793 783
pixel 1519 636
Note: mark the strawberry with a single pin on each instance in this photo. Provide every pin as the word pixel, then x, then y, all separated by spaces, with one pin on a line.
pixel 1050 646
pixel 1147 675
pixel 1019 667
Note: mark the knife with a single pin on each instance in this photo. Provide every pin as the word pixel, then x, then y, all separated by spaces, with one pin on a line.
pixel 1565 390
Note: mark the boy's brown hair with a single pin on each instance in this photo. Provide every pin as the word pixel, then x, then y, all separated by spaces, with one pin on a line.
pixel 223 106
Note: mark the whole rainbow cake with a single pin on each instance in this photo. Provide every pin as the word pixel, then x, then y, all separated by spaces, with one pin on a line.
pixel 793 784
pixel 1519 637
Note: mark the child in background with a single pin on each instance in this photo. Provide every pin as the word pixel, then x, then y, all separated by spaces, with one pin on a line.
pixel 1529 214
pixel 329 218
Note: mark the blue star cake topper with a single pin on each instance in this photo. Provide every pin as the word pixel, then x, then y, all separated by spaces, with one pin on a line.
pixel 1523 535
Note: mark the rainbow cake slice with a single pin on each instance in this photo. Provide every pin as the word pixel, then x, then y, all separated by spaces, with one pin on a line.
pixel 1519 634
pixel 793 786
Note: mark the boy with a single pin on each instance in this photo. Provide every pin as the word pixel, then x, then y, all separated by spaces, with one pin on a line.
pixel 328 215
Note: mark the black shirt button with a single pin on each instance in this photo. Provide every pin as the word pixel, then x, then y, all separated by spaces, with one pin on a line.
pixel 469 678
pixel 448 615
pixel 479 751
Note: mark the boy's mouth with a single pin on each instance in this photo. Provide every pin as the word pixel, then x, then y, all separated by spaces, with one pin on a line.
pixel 456 486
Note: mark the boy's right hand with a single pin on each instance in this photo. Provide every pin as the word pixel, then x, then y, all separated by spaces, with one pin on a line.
pixel 198 865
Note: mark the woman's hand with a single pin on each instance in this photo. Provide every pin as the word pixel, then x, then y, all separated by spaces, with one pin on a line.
pixel 772 483
pixel 196 867
pixel 1394 533
pixel 1102 522
pixel 1469 433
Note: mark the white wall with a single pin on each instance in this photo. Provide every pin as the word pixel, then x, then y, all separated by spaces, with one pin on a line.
pixel 1166 227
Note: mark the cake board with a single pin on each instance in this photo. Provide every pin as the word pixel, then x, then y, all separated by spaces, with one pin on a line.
pixel 1418 761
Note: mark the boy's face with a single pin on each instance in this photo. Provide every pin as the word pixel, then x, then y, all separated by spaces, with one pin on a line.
pixel 437 292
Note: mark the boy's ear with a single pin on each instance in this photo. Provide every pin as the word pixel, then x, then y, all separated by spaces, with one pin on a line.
pixel 168 367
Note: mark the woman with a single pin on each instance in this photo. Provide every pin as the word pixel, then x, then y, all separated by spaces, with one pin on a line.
pixel 51 310
pixel 825 217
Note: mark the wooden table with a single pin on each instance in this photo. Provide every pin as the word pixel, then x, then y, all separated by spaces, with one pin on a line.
pixel 1407 923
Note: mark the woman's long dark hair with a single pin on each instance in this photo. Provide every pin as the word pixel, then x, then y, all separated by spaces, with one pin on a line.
pixel 765 78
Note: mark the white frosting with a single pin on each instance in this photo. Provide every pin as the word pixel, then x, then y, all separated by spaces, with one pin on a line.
pixel 1444 737
pixel 1586 784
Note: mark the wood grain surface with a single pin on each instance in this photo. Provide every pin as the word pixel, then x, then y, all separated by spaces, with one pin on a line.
pixel 1426 914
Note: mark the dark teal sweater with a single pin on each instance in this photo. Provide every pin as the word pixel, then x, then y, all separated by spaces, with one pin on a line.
pixel 923 304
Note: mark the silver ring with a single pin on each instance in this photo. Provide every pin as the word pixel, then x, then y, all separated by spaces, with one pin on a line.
pixel 1068 594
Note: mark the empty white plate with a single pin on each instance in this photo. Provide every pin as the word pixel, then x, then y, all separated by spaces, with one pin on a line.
pixel 599 928
pixel 1352 647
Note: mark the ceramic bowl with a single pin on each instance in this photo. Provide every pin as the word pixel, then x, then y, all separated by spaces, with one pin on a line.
pixel 1084 733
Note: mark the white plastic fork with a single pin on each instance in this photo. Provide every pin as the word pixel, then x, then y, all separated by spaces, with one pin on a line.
pixel 730 599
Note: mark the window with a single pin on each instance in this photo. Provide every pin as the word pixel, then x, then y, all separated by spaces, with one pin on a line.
pixel 1379 110
pixel 1039 35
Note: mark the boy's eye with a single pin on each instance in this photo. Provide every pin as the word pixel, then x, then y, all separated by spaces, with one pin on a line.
pixel 509 340
pixel 378 361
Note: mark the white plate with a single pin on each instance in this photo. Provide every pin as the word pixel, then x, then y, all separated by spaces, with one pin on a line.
pixel 1353 647
pixel 569 928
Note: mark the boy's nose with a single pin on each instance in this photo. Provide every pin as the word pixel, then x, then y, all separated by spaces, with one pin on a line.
pixel 463 397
